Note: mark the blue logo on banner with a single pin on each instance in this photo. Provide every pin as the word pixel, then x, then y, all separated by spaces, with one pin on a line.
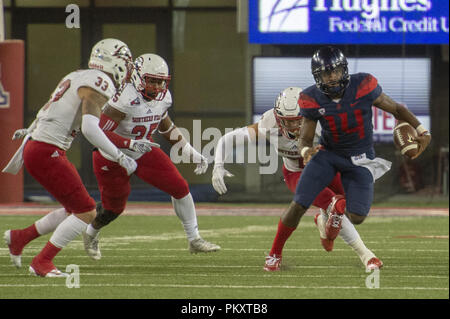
pixel 348 21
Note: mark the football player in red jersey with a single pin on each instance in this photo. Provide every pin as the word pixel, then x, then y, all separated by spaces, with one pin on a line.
pixel 342 103
pixel 129 119
pixel 74 106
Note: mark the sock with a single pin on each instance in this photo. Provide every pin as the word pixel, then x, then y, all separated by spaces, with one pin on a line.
pixel 348 231
pixel 283 233
pixel 340 206
pixel 185 210
pixel 351 236
pixel 49 222
pixel 47 253
pixel 91 231
pixel 67 231
pixel 21 237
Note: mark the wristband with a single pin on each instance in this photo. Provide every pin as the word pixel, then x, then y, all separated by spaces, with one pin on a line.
pixel 168 130
pixel 304 150
pixel 421 130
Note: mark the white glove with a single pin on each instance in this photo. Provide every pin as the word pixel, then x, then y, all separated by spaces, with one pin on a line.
pixel 217 179
pixel 20 133
pixel 196 157
pixel 142 146
pixel 201 167
pixel 127 162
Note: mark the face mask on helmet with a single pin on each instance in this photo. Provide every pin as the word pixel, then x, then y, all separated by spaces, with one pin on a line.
pixel 155 88
pixel 151 77
pixel 330 71
pixel 287 112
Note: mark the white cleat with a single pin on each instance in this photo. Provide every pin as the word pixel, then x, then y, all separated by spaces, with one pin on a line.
pixel 91 246
pixel 55 273
pixel 15 259
pixel 199 245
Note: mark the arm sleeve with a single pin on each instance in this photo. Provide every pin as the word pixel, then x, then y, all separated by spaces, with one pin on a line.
pixel 91 130
pixel 224 147
pixel 108 126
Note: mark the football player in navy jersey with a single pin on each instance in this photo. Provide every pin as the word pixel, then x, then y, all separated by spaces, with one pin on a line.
pixel 342 103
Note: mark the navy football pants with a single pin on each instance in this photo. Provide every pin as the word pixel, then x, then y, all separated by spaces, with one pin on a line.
pixel 320 171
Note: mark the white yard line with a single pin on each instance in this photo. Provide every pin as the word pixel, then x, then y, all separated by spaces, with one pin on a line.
pixel 223 286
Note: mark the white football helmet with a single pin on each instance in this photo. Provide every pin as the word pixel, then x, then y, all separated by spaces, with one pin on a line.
pixel 150 76
pixel 112 56
pixel 287 112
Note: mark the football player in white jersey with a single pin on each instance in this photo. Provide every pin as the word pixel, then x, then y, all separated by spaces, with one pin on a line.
pixel 134 113
pixel 74 106
pixel 283 122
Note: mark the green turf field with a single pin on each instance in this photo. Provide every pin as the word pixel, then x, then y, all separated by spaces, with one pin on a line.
pixel 147 257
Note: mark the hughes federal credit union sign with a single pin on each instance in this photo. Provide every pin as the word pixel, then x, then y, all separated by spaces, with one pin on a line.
pixel 348 21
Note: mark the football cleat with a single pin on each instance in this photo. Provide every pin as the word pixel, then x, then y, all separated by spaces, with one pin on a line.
pixel 199 245
pixel 47 270
pixel 374 263
pixel 273 263
pixel 91 246
pixel 16 259
pixel 334 222
pixel 327 244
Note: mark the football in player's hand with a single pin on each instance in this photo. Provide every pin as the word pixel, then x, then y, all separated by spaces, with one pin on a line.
pixel 404 135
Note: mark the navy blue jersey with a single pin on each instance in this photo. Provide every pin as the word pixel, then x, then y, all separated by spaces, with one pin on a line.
pixel 346 125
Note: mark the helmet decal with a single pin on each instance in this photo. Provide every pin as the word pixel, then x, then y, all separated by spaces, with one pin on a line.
pixel 287 112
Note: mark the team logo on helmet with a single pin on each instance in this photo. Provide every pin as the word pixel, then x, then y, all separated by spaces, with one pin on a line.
pixel 287 112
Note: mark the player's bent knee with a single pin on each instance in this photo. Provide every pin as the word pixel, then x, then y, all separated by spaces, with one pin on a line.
pixel 181 190
pixel 86 217
pixel 104 216
pixel 355 218
pixel 297 208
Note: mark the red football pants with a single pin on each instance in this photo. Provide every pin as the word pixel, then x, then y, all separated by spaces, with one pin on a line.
pixel 154 167
pixel 324 198
pixel 49 165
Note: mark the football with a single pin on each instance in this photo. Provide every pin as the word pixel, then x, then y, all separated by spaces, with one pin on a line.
pixel 404 135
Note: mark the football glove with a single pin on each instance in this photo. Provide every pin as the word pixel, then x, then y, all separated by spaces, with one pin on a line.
pixel 201 167
pixel 127 162
pixel 217 179
pixel 142 146
pixel 20 133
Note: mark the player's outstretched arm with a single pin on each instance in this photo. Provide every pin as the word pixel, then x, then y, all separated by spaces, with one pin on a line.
pixel 224 150
pixel 401 113
pixel 171 133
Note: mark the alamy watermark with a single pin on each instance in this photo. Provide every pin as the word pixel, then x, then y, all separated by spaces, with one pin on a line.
pixel 236 150
pixel 73 18
pixel 73 280
pixel 373 280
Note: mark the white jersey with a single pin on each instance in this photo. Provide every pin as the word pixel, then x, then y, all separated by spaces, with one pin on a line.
pixel 287 148
pixel 142 117
pixel 59 121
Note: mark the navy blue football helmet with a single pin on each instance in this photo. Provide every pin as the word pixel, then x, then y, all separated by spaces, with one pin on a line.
pixel 324 61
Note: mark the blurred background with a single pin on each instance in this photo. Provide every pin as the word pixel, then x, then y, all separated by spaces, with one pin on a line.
pixel 226 74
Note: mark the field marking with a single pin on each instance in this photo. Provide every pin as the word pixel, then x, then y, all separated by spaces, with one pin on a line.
pixel 239 275
pixel 166 209
pixel 165 265
pixel 328 256
pixel 38 248
pixel 224 286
